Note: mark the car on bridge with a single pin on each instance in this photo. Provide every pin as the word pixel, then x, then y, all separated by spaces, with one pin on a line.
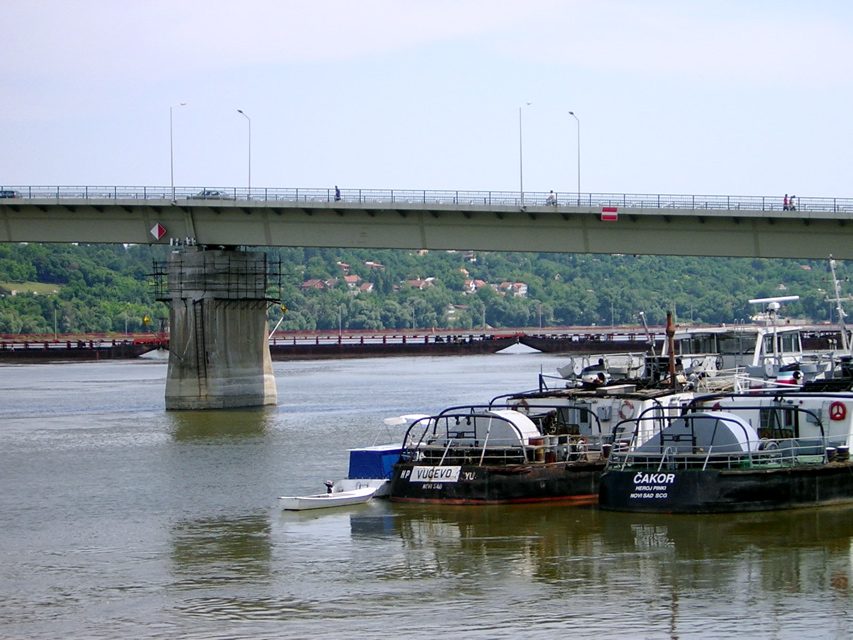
pixel 211 194
pixel 9 193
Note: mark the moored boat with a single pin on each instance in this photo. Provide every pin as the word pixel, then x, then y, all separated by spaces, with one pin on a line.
pixel 548 444
pixel 327 500
pixel 738 452
pixel 370 467
pixel 775 350
pixel 487 455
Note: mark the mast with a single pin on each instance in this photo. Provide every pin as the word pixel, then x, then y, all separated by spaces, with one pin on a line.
pixel 670 342
pixel 839 308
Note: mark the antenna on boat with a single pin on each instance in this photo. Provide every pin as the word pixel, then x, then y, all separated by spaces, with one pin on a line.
pixel 773 305
pixel 650 340
pixel 838 300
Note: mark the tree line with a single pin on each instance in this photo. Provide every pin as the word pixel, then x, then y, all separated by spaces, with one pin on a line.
pixel 109 289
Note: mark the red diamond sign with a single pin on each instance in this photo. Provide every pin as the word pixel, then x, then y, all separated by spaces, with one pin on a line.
pixel 158 231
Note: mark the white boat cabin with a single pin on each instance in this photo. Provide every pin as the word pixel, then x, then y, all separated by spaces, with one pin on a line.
pixel 791 415
pixel 597 415
pixel 759 351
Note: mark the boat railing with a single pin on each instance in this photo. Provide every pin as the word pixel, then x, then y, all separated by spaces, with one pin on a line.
pixel 669 451
pixel 541 412
pixel 681 448
pixel 780 454
pixel 476 435
pixel 456 433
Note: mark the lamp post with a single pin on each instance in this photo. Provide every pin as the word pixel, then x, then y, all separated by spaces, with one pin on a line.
pixel 172 148
pixel 572 113
pixel 240 111
pixel 521 156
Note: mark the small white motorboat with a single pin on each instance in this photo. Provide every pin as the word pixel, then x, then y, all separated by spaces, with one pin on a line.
pixel 327 500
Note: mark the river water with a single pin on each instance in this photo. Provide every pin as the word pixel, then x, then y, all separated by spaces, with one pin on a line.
pixel 120 520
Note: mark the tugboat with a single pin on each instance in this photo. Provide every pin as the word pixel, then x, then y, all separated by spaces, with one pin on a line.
pixel 758 451
pixel 537 446
pixel 488 455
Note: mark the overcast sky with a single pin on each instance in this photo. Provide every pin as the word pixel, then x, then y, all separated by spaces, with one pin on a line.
pixel 740 97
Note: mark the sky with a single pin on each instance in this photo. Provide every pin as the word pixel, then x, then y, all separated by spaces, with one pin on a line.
pixel 714 97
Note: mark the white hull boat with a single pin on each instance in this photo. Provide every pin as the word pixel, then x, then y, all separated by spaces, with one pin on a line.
pixel 327 500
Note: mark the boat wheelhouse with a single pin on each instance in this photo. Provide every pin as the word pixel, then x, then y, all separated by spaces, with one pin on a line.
pixel 761 351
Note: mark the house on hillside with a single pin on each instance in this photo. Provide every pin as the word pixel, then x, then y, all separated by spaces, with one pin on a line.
pixel 318 284
pixel 352 283
pixel 419 284
pixel 471 286
pixel 313 284
pixel 515 289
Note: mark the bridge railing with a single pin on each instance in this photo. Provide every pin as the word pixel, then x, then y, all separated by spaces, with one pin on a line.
pixel 428 197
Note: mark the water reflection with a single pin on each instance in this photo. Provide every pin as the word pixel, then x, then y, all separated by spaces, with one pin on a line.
pixel 187 426
pixel 807 550
pixel 666 576
pixel 220 551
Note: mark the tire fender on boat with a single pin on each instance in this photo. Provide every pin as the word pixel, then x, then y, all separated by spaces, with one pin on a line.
pixel 578 444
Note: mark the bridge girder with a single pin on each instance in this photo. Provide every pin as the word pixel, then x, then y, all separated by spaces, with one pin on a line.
pixel 402 225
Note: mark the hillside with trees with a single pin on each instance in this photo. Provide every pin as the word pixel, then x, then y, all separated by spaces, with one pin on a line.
pixel 108 288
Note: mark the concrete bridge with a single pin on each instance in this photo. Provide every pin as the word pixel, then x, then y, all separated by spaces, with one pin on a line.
pixel 694 225
pixel 219 352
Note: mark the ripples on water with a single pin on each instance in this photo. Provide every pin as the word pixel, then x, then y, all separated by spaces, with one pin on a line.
pixel 120 520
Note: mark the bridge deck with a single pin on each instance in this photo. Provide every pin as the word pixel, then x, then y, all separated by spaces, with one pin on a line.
pixel 736 226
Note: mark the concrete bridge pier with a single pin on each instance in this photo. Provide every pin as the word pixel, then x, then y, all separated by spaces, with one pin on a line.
pixel 219 354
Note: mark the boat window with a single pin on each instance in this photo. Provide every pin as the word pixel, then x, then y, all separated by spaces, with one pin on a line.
pixel 735 345
pixel 697 344
pixel 776 423
pixel 789 342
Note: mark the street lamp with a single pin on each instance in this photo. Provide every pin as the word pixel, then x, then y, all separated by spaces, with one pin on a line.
pixel 572 113
pixel 240 111
pixel 172 148
pixel 521 156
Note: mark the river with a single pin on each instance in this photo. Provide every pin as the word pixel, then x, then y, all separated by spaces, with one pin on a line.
pixel 121 520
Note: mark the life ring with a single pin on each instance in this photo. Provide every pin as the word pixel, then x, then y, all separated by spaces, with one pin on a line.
pixel 837 411
pixel 626 409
